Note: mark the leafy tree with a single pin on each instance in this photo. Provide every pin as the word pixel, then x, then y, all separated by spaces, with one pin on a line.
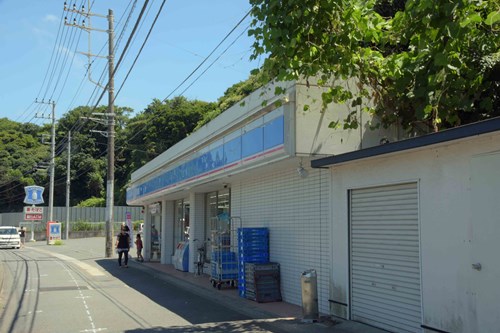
pixel 233 95
pixel 20 152
pixel 89 153
pixel 434 63
pixel 159 127
pixel 93 202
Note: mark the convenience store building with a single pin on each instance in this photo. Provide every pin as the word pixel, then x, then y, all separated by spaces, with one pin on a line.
pixel 253 162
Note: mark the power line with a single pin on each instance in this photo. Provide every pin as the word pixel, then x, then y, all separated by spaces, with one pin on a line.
pixel 204 60
pixel 213 51
pixel 213 62
pixel 140 50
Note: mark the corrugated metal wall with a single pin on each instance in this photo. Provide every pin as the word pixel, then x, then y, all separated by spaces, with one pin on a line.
pixel 295 210
pixel 85 214
pixel 385 257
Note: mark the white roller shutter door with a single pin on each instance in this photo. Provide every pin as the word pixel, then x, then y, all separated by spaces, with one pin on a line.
pixel 385 262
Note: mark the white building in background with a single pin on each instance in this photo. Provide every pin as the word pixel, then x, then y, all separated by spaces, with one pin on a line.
pixel 414 232
pixel 253 162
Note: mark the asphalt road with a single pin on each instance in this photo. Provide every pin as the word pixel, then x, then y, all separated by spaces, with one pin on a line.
pixel 65 289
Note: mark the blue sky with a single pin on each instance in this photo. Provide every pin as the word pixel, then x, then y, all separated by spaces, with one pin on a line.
pixel 36 63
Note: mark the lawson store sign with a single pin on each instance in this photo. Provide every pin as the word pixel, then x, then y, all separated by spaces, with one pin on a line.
pixel 235 149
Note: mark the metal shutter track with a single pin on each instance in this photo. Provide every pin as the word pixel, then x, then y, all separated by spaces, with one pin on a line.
pixel 385 263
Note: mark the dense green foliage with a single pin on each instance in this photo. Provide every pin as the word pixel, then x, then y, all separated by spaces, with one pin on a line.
pixel 20 151
pixel 424 63
pixel 93 202
pixel 233 95
pixel 138 139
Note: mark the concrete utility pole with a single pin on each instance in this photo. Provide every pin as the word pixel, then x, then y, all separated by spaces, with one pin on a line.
pixel 68 184
pixel 52 154
pixel 110 190
pixel 110 115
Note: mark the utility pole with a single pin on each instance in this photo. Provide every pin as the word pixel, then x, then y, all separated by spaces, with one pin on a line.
pixel 110 189
pixel 110 115
pixel 52 154
pixel 68 184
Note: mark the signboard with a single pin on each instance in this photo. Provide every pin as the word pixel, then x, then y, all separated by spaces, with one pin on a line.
pixel 33 213
pixel 53 232
pixel 34 195
pixel 155 208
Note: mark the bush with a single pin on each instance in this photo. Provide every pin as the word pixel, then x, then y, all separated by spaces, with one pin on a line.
pixel 82 226
pixel 93 202
pixel 137 224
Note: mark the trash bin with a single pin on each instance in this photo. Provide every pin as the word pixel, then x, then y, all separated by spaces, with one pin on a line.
pixel 309 284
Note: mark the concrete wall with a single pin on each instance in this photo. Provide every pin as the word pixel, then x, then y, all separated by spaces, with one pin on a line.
pixel 315 137
pixel 459 209
pixel 295 210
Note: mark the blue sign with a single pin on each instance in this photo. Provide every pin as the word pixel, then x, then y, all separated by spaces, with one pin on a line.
pixel 55 229
pixel 34 195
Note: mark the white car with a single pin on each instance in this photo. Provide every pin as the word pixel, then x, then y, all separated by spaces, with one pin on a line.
pixel 9 237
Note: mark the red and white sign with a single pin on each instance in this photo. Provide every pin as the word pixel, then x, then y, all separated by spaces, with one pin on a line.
pixel 33 213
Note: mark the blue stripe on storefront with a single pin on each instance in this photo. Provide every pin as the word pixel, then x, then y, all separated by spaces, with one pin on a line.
pixel 251 145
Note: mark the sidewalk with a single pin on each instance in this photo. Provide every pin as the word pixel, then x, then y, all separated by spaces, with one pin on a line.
pixel 285 317
pixel 290 314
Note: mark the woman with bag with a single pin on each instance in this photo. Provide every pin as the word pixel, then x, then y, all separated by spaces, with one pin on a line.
pixel 123 246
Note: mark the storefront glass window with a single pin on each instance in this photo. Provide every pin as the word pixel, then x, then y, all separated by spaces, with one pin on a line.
pixel 181 227
pixel 217 203
pixel 155 237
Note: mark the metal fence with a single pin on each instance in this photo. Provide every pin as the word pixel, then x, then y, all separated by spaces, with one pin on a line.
pixel 96 215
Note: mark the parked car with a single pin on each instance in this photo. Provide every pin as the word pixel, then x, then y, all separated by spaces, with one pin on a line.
pixel 9 237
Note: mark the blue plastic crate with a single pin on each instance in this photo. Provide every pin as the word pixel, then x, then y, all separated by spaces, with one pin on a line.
pixel 250 235
pixel 223 256
pixel 253 241
pixel 248 257
pixel 254 249
pixel 253 231
pixel 224 271
pixel 224 276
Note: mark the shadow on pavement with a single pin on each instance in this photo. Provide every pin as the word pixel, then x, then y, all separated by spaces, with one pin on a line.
pixel 240 326
pixel 186 303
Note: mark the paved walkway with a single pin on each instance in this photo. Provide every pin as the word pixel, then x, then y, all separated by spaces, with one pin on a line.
pixel 288 317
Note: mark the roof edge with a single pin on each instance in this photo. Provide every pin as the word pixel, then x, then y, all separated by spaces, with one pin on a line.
pixel 461 132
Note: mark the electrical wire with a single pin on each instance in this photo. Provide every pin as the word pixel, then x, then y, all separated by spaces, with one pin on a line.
pixel 140 50
pixel 204 60
pixel 191 74
pixel 54 64
pixel 213 62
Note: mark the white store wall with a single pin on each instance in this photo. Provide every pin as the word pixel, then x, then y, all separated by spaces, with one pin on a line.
pixel 459 187
pixel 295 210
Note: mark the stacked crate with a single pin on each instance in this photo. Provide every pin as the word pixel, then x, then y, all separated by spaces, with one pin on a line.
pixel 262 282
pixel 253 247
pixel 224 265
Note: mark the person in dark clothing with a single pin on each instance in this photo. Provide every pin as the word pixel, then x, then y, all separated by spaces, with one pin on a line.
pixel 22 235
pixel 138 246
pixel 123 246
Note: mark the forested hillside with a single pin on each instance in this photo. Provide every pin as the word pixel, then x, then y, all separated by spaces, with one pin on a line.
pixel 140 137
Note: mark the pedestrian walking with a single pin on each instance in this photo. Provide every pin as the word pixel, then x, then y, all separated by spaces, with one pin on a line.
pixel 22 235
pixel 123 246
pixel 138 245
